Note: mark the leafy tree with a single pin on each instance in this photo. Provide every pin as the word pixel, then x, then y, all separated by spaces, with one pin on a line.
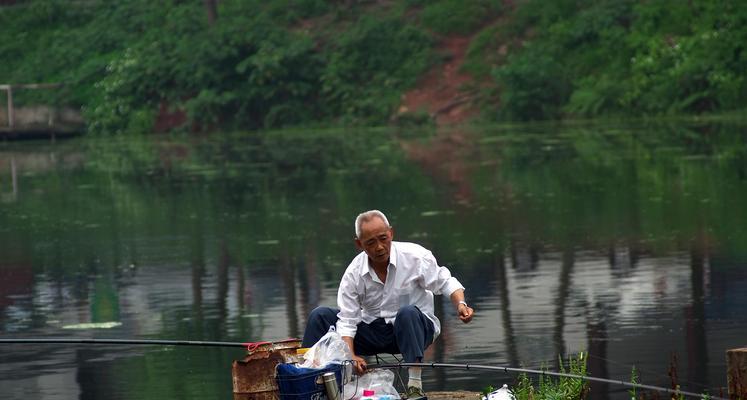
pixel 624 57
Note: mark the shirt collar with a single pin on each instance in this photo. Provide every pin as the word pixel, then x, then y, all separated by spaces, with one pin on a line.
pixel 392 261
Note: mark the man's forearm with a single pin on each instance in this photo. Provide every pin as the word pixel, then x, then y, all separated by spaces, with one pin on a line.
pixel 464 311
pixel 349 341
pixel 456 297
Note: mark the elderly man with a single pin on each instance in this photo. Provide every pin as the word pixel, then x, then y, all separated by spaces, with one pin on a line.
pixel 385 299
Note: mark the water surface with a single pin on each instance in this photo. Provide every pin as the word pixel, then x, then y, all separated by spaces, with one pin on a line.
pixel 627 241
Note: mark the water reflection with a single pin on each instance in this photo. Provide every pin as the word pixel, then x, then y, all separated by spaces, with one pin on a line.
pixel 626 242
pixel 695 319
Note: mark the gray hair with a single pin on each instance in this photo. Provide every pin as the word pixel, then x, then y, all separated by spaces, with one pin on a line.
pixel 367 216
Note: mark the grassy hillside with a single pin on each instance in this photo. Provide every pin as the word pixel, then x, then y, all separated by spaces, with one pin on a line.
pixel 131 64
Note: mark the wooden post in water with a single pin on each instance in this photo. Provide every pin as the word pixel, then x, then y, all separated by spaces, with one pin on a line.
pixel 736 373
pixel 11 117
pixel 14 176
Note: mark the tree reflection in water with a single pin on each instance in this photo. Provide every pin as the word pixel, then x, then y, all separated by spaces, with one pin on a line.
pixel 597 238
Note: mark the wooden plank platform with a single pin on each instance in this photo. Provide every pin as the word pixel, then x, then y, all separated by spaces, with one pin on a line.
pixel 453 395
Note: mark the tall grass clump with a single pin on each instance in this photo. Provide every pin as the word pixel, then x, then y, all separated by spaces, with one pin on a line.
pixel 555 388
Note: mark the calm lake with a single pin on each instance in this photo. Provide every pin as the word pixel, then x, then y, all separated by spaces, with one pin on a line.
pixel 626 240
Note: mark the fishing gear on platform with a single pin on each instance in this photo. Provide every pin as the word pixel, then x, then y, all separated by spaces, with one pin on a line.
pixel 540 372
pixel 253 345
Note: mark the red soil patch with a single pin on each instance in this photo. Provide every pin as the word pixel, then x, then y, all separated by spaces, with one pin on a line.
pixel 440 91
pixel 168 119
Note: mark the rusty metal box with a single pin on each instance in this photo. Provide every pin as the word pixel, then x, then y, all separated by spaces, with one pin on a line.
pixel 254 376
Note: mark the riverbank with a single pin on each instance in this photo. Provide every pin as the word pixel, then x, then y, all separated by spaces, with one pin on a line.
pixel 240 65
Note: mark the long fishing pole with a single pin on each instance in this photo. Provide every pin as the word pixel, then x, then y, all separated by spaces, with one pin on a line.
pixel 146 342
pixel 539 372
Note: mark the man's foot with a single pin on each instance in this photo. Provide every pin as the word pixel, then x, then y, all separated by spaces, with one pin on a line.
pixel 415 393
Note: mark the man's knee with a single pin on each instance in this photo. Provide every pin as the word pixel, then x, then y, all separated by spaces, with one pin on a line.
pixel 323 314
pixel 409 318
pixel 408 313
pixel 320 319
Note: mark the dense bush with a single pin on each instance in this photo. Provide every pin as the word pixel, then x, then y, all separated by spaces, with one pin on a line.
pixel 262 64
pixel 457 16
pixel 534 83
pixel 625 57
pixel 247 72
pixel 371 65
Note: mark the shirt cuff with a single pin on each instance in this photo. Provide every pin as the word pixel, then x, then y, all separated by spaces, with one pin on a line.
pixel 345 329
pixel 451 286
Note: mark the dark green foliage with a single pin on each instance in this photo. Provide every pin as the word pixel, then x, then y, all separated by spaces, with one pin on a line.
pixel 625 57
pixel 261 65
pixel 266 64
pixel 291 11
pixel 458 16
pixel 371 65
pixel 481 54
pixel 245 72
pixel 534 84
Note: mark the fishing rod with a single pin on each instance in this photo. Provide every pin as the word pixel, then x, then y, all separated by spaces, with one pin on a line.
pixel 145 342
pixel 539 372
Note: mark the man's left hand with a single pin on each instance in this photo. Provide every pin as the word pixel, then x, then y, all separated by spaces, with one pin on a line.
pixel 465 312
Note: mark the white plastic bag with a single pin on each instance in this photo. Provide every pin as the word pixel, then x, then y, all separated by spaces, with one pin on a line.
pixel 381 381
pixel 329 349
pixel 503 393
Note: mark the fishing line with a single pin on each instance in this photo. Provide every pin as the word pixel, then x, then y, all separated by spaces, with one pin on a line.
pixel 544 373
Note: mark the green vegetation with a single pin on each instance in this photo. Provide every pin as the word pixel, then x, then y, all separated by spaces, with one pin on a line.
pixel 560 388
pixel 456 16
pixel 634 380
pixel 261 65
pixel 570 388
pixel 135 64
pixel 592 58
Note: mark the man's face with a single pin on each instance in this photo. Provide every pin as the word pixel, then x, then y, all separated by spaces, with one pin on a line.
pixel 376 240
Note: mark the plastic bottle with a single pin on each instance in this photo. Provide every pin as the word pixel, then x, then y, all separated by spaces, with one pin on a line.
pixel 368 395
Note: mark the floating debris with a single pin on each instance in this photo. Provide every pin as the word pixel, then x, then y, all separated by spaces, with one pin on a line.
pixel 94 325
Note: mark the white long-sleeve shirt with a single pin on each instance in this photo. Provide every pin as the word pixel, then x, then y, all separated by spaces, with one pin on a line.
pixel 413 277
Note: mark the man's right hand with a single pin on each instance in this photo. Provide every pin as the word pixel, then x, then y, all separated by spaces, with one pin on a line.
pixel 359 364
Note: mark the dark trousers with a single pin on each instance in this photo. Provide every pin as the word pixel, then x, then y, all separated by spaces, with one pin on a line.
pixel 410 334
